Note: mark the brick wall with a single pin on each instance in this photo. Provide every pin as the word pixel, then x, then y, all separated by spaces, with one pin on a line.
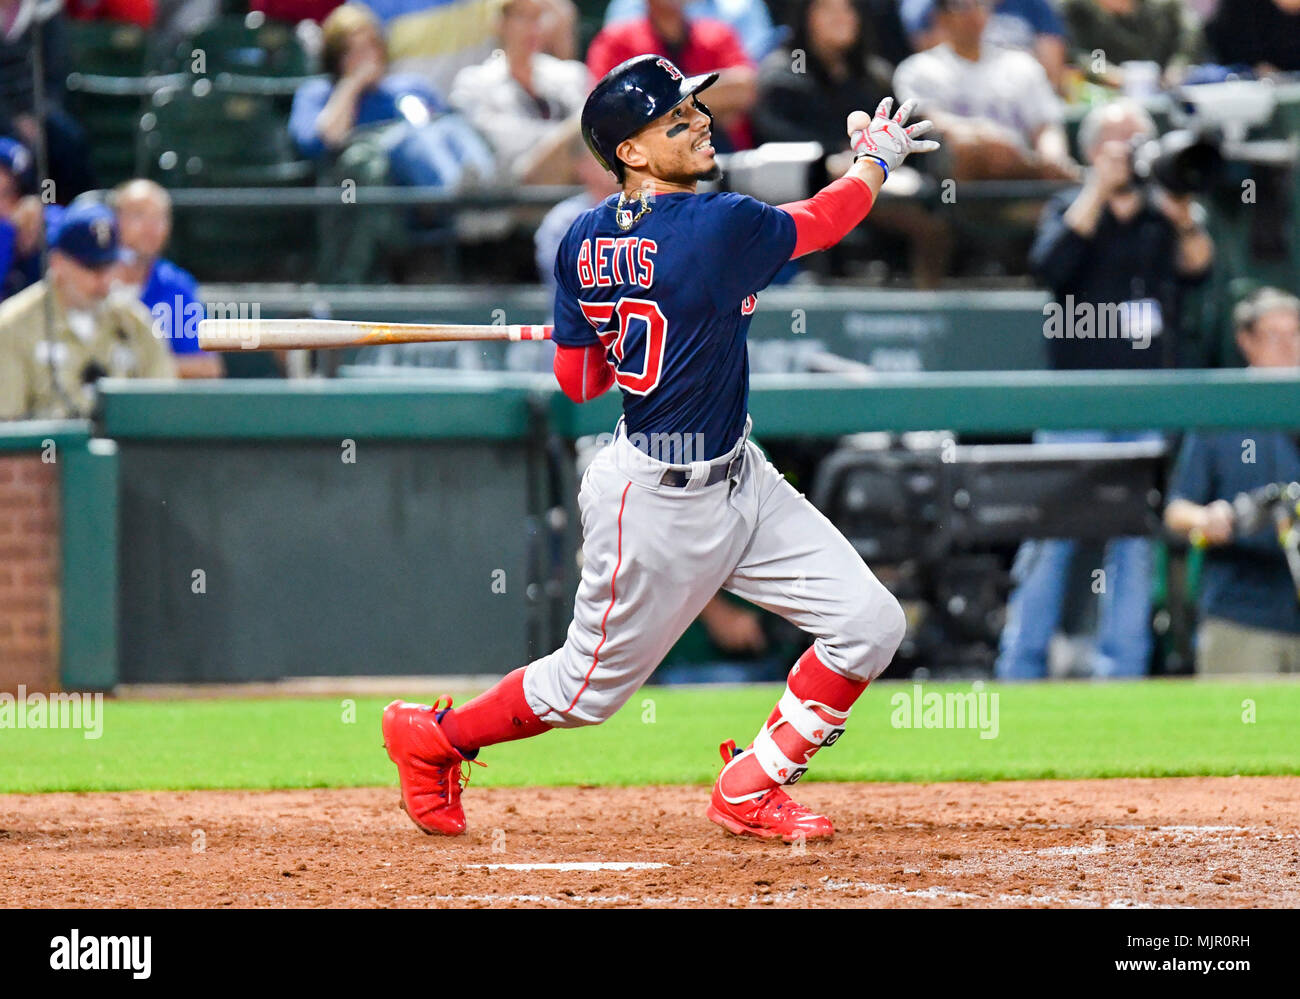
pixel 29 573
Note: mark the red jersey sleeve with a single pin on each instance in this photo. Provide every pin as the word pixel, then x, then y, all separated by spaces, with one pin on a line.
pixel 829 215
pixel 583 372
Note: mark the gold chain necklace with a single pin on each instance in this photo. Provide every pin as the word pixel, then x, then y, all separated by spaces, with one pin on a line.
pixel 623 214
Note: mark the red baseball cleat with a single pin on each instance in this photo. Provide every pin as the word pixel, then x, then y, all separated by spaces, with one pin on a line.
pixel 428 766
pixel 773 814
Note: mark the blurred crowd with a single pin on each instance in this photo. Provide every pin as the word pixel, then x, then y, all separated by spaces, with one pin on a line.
pixel 488 91
pixel 471 94
pixel 468 94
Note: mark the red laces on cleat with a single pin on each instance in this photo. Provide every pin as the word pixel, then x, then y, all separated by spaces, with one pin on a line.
pixel 438 709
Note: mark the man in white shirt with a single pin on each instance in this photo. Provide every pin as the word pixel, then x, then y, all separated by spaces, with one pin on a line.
pixel 997 112
pixel 524 102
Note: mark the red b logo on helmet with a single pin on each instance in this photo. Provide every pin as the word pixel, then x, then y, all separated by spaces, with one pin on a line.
pixel 672 70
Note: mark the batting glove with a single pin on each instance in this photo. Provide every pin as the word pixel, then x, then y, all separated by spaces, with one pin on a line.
pixel 888 140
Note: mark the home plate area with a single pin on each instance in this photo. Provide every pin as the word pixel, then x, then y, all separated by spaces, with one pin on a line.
pixel 1171 842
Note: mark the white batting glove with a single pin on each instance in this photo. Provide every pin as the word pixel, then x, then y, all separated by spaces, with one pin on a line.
pixel 888 140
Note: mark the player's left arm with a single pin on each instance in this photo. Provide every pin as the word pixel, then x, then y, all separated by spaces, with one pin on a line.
pixel 880 143
pixel 583 372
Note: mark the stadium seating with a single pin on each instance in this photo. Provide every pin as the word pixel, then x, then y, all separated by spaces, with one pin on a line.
pixel 199 135
pixel 115 65
pixel 109 108
pixel 250 46
pixel 108 48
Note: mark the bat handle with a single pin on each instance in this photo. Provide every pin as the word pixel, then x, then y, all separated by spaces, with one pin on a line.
pixel 518 333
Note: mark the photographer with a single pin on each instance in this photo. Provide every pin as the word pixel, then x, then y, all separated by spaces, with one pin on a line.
pixel 1118 241
pixel 1251 613
pixel 1120 253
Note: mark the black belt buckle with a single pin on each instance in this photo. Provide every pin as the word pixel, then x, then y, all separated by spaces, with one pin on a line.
pixel 677 479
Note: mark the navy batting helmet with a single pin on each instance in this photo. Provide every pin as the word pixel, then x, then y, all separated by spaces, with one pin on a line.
pixel 629 97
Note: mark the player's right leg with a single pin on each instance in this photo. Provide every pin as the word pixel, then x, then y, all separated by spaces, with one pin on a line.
pixel 798 565
pixel 652 558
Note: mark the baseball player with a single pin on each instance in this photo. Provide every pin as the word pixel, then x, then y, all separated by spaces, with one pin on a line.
pixel 655 290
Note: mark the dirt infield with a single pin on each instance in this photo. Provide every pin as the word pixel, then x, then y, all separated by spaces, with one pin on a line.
pixel 1170 842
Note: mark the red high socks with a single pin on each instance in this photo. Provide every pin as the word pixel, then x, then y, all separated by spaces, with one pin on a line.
pixel 810 681
pixel 501 714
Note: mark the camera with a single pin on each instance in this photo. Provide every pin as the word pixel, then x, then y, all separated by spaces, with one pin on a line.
pixel 1213 120
pixel 1182 162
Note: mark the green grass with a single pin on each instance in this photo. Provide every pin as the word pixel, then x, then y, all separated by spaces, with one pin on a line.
pixel 1147 729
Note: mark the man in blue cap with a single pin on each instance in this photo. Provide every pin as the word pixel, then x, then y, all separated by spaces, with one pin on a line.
pixel 59 336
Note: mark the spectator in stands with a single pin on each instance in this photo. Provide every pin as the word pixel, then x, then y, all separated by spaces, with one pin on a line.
pixel 169 292
pixel 525 102
pixel 828 69
pixel 995 108
pixel 67 150
pixel 695 45
pixel 177 20
pixel 1127 253
pixel 885 19
pixel 808 88
pixel 1116 240
pixel 293 11
pixel 15 166
pixel 1120 31
pixel 15 161
pixel 560 29
pixel 24 220
pixel 1264 34
pixel 411 141
pixel 436 39
pixel 1250 610
pixel 749 19
pixel 1032 26
pixel 52 353
pixel 139 12
pixel 370 127
pixel 597 183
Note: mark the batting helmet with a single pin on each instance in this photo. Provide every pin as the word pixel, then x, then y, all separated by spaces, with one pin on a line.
pixel 629 97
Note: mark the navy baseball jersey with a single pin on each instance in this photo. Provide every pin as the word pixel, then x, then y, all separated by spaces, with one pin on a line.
pixel 671 299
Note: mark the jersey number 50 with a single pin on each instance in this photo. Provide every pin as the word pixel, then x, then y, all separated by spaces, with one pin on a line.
pixel 632 313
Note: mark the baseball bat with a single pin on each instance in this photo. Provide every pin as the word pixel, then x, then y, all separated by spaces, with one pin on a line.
pixel 325 334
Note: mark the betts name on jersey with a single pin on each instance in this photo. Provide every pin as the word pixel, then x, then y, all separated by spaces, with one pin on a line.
pixel 671 303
